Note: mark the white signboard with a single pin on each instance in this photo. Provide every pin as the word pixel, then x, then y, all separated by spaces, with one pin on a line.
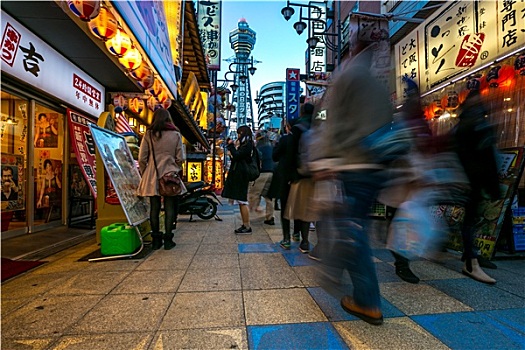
pixel 317 26
pixel 28 58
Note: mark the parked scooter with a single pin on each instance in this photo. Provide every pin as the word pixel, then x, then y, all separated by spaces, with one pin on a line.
pixel 199 200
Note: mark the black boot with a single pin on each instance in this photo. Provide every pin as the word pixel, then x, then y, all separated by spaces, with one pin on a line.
pixel 403 269
pixel 168 241
pixel 156 242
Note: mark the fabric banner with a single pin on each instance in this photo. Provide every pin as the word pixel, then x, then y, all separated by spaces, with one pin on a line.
pixel 84 147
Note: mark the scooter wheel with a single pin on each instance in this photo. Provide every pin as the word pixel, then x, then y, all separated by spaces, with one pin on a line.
pixel 210 211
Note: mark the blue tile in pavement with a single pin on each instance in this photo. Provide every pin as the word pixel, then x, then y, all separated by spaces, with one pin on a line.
pixel 257 248
pixel 319 335
pixel 471 330
pixel 333 311
pixel 513 318
pixel 296 258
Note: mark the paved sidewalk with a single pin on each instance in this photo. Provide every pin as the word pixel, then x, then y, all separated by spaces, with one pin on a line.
pixel 217 290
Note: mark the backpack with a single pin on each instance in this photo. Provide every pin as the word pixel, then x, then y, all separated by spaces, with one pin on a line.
pixel 253 166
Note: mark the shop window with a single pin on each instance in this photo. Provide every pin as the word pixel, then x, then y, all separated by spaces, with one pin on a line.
pixel 13 134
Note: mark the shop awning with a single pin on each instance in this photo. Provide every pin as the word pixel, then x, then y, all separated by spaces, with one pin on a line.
pixel 188 126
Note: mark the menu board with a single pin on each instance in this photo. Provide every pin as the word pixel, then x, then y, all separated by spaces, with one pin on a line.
pixel 123 173
pixel 491 213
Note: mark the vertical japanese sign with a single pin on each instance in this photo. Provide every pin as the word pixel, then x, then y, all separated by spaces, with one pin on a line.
pixel 84 147
pixel 407 59
pixel 31 60
pixel 293 93
pixel 317 14
pixel 209 23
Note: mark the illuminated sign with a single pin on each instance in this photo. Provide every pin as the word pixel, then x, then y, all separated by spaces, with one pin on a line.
pixel 209 22
pixel 293 93
pixel 317 62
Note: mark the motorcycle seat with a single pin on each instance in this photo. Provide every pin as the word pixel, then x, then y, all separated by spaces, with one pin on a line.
pixel 192 186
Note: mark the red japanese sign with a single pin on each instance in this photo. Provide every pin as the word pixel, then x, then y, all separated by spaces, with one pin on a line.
pixel 84 146
pixel 469 50
pixel 10 43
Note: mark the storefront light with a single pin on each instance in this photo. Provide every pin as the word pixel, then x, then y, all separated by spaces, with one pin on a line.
pixel 142 128
pixel 132 122
pixel 83 9
pixel 120 44
pixel 105 26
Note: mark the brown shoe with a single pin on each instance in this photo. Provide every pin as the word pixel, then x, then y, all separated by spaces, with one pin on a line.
pixel 372 316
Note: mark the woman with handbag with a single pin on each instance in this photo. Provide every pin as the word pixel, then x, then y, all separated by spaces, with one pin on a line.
pixel 236 184
pixel 160 156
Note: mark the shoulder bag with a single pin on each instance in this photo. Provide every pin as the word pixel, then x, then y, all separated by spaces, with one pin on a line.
pixel 170 184
pixel 253 165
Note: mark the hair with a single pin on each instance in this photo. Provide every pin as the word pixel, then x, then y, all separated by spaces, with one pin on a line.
pixel 307 108
pixel 5 168
pixel 41 115
pixel 245 134
pixel 47 161
pixel 161 118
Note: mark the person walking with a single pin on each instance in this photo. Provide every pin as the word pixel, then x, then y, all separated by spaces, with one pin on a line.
pixel 236 184
pixel 160 153
pixel 474 140
pixel 261 186
pixel 302 185
pixel 357 106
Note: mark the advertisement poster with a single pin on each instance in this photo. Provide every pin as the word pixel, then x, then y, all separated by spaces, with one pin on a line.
pixel 123 173
pixel 13 182
pixel 84 147
pixel 492 213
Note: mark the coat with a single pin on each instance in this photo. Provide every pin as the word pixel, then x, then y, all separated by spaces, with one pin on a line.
pixel 285 166
pixel 168 155
pixel 236 184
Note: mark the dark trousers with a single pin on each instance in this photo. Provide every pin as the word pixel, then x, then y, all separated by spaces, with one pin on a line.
pixel 171 208
pixel 471 216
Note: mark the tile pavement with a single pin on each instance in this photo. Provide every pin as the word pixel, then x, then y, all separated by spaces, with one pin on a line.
pixel 216 290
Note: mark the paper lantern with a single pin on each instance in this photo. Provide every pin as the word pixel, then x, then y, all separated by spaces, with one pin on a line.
pixel 462 96
pixel 119 44
pixel 147 82
pixel 132 59
pixel 152 103
pixel 450 101
pixel 142 72
pixel 166 104
pixel 519 65
pixel 156 89
pixel 500 76
pixel 105 26
pixel 120 103
pixel 85 10
pixel 162 96
pixel 136 105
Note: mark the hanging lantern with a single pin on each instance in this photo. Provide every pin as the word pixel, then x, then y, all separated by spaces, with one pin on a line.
pixel 463 96
pixel 147 82
pixel 85 10
pixel 156 89
pixel 451 102
pixel 519 65
pixel 141 72
pixel 105 26
pixel 506 76
pixel 162 96
pixel 136 105
pixel 132 59
pixel 120 44
pixel 166 104
pixel 152 103
pixel 120 103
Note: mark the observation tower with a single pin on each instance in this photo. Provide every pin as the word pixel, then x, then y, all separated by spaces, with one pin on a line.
pixel 242 41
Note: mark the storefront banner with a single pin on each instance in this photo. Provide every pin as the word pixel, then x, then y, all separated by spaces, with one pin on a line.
pixel 13 182
pixel 28 58
pixel 147 22
pixel 293 93
pixel 84 147
pixel 209 24
pixel 317 59
pixel 461 36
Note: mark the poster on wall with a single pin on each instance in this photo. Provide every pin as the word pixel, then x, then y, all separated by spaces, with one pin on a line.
pixel 13 183
pixel 46 130
pixel 123 173
pixel 492 213
pixel 84 148
pixel 49 187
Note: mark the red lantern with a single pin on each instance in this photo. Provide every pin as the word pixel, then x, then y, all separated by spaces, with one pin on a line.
pixel 132 59
pixel 500 76
pixel 141 72
pixel 105 26
pixel 166 104
pixel 156 89
pixel 147 82
pixel 119 44
pixel 136 105
pixel 83 9
pixel 519 65
pixel 152 103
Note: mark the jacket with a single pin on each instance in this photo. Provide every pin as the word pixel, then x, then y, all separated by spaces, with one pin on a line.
pixel 236 184
pixel 168 155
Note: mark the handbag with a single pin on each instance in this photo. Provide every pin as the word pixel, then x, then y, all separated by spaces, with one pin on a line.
pixel 253 168
pixel 170 184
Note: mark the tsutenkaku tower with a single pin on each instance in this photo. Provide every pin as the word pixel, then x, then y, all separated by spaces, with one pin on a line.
pixel 242 41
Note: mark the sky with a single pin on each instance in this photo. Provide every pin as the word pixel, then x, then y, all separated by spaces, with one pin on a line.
pixel 277 44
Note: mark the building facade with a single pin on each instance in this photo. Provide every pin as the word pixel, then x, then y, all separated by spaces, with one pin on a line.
pixel 271 105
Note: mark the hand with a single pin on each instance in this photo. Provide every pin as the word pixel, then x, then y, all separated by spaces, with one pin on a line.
pixel 39 204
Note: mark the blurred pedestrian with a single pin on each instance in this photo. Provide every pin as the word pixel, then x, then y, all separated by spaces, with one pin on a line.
pixel 261 186
pixel 302 186
pixel 160 153
pixel 236 184
pixel 474 140
pixel 357 106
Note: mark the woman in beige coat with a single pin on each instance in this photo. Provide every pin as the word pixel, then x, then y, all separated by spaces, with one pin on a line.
pixel 164 142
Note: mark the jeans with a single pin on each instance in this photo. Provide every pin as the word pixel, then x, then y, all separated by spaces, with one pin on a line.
pixel 171 208
pixel 350 244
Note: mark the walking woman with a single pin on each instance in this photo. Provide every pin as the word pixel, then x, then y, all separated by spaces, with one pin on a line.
pixel 236 184
pixel 160 153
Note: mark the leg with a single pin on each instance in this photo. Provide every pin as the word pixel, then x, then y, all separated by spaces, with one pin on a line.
pixel 154 218
pixel 269 208
pixel 170 203
pixel 304 226
pixel 285 223
pixel 245 215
